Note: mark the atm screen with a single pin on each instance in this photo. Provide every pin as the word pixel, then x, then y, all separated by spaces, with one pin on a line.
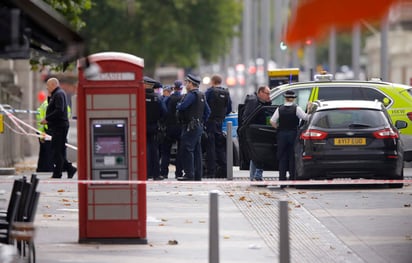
pixel 109 145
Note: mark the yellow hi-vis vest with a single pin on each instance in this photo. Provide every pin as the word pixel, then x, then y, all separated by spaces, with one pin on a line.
pixel 41 115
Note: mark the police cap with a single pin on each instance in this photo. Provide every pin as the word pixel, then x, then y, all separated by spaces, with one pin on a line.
pixel 193 79
pixel 289 94
pixel 157 85
pixel 178 84
pixel 149 81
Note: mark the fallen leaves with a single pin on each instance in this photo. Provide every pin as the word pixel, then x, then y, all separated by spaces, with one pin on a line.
pixel 172 242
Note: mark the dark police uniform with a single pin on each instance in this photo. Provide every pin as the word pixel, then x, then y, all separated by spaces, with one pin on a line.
pixel 173 133
pixel 58 124
pixel 220 105
pixel 193 112
pixel 155 109
pixel 288 123
pixel 286 118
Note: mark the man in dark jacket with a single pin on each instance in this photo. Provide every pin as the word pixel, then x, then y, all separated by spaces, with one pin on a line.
pixel 252 102
pixel 220 105
pixel 58 124
pixel 155 110
pixel 193 113
pixel 173 132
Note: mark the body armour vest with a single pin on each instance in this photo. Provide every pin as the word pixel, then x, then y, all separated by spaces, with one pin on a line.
pixel 218 104
pixel 170 118
pixel 195 111
pixel 153 113
pixel 287 118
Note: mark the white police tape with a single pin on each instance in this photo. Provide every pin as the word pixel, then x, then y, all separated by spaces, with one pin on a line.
pixel 16 121
pixel 239 181
pixel 8 108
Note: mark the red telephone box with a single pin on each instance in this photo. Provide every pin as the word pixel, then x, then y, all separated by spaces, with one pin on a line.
pixel 111 123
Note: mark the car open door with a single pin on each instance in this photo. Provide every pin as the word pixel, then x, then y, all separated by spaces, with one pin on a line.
pixel 257 142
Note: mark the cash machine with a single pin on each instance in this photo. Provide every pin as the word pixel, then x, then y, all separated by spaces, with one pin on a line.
pixel 109 153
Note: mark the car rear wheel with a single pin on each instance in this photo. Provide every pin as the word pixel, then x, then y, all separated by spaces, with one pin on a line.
pixel 397 185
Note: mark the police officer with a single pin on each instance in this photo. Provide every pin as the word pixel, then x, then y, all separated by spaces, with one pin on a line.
pixel 286 120
pixel 166 92
pixel 193 111
pixel 45 160
pixel 58 124
pixel 173 132
pixel 220 105
pixel 155 110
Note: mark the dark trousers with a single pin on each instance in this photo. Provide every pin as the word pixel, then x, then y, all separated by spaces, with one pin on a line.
pixel 191 152
pixel 216 149
pixel 152 148
pixel 45 160
pixel 286 153
pixel 172 136
pixel 58 144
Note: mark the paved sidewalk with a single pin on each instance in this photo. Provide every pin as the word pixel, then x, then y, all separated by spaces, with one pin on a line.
pixel 248 225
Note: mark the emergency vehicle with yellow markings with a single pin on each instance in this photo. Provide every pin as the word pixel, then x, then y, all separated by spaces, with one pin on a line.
pixel 397 98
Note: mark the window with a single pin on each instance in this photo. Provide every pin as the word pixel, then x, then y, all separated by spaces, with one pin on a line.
pixel 338 118
pixel 302 99
pixel 372 94
pixel 335 93
pixel 351 93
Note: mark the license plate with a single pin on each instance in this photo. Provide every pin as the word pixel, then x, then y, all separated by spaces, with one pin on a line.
pixel 349 141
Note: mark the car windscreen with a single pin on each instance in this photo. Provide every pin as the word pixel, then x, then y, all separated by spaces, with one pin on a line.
pixel 348 118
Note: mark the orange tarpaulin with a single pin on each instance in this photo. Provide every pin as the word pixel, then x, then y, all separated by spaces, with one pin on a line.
pixel 313 18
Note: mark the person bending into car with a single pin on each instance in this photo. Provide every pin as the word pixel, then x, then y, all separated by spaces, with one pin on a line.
pixel 286 121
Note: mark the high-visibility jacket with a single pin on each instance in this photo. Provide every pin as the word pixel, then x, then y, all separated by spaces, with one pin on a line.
pixel 42 114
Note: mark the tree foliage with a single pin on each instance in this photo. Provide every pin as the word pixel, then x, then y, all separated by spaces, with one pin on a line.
pixel 163 32
pixel 71 10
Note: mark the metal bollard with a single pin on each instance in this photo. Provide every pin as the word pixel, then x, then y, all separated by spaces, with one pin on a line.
pixel 214 227
pixel 229 151
pixel 284 252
